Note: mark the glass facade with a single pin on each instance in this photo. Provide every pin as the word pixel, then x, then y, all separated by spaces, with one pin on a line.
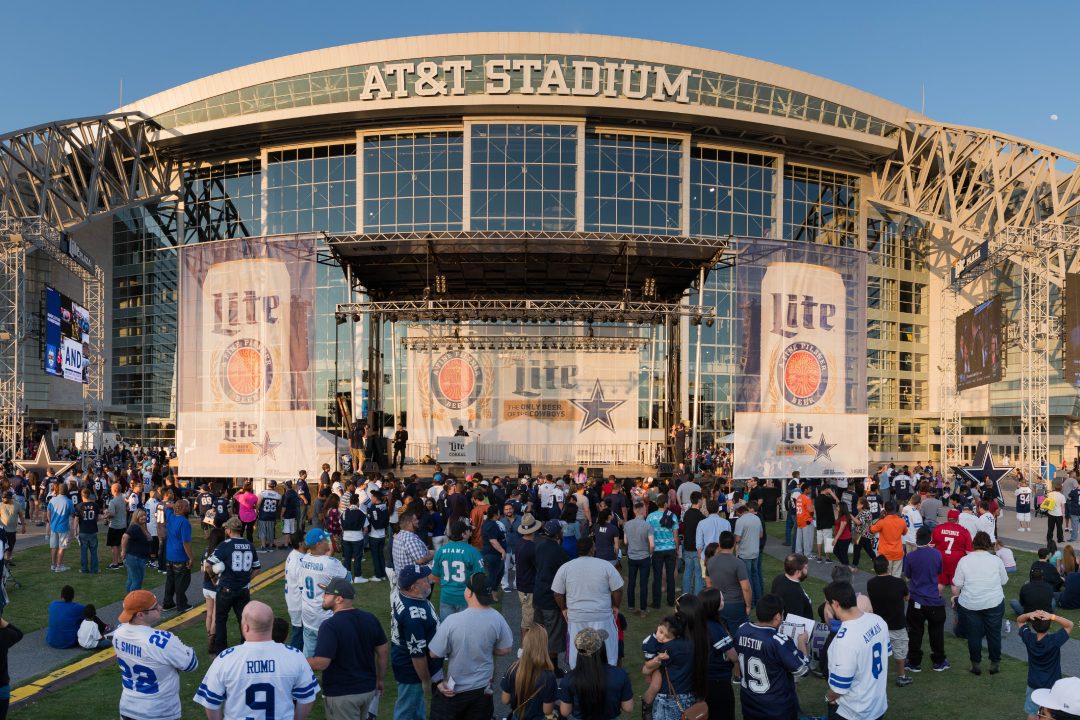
pixel 413 182
pixel 524 176
pixel 223 201
pixel 821 206
pixel 633 184
pixel 310 189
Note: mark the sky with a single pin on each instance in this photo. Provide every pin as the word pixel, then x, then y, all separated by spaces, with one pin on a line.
pixel 1011 67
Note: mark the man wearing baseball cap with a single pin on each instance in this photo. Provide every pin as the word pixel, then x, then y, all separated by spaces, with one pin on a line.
pixel 469 641
pixel 550 556
pixel 234 562
pixel 525 562
pixel 156 653
pixel 1062 700
pixel 413 625
pixel 351 652
pixel 317 568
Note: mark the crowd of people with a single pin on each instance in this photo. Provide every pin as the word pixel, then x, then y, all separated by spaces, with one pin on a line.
pixel 691 546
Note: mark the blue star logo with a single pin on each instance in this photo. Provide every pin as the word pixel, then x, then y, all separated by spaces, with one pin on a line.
pixel 821 450
pixel 984 467
pixel 597 409
pixel 266 448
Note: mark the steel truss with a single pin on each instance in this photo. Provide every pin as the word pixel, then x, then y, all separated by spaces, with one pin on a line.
pixel 19 236
pixel 441 310
pixel 525 342
pixel 948 397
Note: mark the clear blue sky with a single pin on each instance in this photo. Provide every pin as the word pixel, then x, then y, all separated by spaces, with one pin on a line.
pixel 986 64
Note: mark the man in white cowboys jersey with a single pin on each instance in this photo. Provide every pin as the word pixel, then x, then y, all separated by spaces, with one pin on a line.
pixel 260 678
pixel 858 657
pixel 317 568
pixel 234 562
pixel 150 661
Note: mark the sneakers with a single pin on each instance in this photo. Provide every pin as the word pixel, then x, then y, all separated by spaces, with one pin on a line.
pixel 942 666
pixel 1008 627
pixel 359 580
pixel 904 680
pixel 114 566
pixel 61 568
pixel 914 668
pixel 376 579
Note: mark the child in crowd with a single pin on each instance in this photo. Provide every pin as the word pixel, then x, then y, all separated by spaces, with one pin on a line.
pixel 1044 652
pixel 93 632
pixel 653 647
pixel 1006 556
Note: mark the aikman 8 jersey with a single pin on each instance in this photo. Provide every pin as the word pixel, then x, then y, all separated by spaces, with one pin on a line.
pixel 859 666
pixel 258 680
pixel 316 570
pixel 150 665
pixel 769 662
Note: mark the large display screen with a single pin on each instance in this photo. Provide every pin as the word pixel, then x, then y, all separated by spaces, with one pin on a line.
pixel 67 330
pixel 979 345
pixel 1072 329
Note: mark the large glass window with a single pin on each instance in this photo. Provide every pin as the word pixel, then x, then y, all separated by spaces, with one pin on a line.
pixel 821 206
pixel 731 193
pixel 633 184
pixel 413 183
pixel 222 201
pixel 310 189
pixel 523 176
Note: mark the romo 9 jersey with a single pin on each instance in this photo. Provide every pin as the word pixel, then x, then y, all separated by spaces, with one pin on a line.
pixel 859 666
pixel 150 664
pixel 316 570
pixel 258 680
pixel 769 663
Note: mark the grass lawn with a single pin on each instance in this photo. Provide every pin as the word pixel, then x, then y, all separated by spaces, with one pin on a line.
pixel 33 585
pixel 986 697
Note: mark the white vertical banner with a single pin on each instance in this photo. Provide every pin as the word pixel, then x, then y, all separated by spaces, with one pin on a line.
pixel 246 337
pixel 801 392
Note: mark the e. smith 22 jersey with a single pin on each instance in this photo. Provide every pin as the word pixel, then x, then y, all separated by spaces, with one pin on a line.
pixel 150 665
pixel 258 680
pixel 316 570
pixel 859 667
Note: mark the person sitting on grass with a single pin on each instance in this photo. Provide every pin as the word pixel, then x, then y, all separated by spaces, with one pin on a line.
pixel 1044 653
pixel 94 634
pixel 65 616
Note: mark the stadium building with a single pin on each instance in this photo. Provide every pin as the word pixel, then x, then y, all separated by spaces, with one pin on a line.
pixel 539 149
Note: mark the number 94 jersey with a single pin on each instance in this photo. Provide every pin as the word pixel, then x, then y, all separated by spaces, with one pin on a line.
pixel 859 666
pixel 150 665
pixel 258 680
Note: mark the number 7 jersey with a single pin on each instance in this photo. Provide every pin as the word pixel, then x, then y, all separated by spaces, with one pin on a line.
pixel 150 665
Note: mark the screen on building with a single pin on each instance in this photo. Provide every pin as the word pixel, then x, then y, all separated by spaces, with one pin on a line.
pixel 67 329
pixel 1072 328
pixel 979 345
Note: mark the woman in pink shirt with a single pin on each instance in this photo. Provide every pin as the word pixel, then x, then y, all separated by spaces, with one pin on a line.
pixel 246 502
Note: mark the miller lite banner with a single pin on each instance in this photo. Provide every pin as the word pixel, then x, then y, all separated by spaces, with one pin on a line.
pixel 246 337
pixel 524 397
pixel 801 386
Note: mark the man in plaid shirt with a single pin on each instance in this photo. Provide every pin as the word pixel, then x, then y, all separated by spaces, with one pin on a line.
pixel 408 548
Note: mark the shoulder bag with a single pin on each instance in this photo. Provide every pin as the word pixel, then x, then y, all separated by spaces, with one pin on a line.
pixel 697 711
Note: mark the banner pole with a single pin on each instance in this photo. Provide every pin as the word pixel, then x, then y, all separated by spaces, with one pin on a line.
pixel 697 374
pixel 393 371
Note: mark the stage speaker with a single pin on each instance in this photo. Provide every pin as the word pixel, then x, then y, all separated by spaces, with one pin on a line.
pixel 370 466
pixel 665 470
pixel 524 470
pixel 594 473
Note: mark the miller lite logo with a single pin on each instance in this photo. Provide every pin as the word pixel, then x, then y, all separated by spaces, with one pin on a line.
pixel 803 374
pixel 246 371
pixel 457 380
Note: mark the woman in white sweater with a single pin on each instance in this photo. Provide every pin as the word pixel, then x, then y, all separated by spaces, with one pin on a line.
pixel 978 596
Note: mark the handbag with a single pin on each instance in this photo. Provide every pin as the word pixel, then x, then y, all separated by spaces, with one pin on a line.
pixel 697 711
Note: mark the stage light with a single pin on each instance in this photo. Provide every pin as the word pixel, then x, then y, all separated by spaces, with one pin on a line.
pixel 709 322
pixel 440 284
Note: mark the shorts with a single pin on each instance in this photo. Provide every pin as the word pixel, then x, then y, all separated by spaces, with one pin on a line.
pixel 823 535
pixel 288 527
pixel 59 541
pixel 1024 517
pixel 209 594
pixel 899 641
pixel 555 624
pixel 113 537
pixel 526 610
pixel 1030 707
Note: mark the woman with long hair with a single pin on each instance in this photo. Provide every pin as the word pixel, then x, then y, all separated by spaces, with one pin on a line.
pixel 246 502
pixel 719 694
pixel 135 550
pixel 593 689
pixel 332 521
pixel 681 674
pixel 529 687
pixel 1068 561
pixel 842 533
pixel 860 533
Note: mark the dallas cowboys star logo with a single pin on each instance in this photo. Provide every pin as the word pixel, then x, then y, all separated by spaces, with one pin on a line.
pixel 821 450
pixel 266 448
pixel 45 463
pixel 984 467
pixel 597 409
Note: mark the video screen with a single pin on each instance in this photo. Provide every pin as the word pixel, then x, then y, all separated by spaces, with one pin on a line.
pixel 67 329
pixel 1072 329
pixel 979 345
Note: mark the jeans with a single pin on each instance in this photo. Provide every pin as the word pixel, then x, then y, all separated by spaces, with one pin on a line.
pixel 691 579
pixel 934 618
pixel 753 574
pixel 493 566
pixel 1019 609
pixel 639 572
pixel 1055 522
pixel 177 581
pixel 447 609
pixel 789 528
pixel 663 561
pixel 734 615
pixel 296 639
pixel 978 623
pixel 227 599
pixel 469 704
pixel 311 636
pixel 840 549
pixel 352 556
pixel 410 702
pixel 136 571
pixel 88 552
pixel 1075 529
pixel 376 545
pixel 400 453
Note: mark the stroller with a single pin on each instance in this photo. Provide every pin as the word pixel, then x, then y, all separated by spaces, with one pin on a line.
pixel 1040 492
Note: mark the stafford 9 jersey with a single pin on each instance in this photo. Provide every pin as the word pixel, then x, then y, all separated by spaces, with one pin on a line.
pixel 769 663
pixel 316 570
pixel 150 665
pixel 859 666
pixel 239 557
pixel 258 680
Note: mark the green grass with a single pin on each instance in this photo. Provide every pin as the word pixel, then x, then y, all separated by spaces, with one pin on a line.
pixel 37 585
pixel 987 698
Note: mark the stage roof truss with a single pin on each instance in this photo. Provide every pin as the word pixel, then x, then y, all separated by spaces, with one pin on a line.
pixel 577 343
pixel 525 310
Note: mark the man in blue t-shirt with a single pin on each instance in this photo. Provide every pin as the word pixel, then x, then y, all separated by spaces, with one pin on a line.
pixel 1044 651
pixel 351 652
pixel 665 527
pixel 65 616
pixel 178 555
pixel 60 510
pixel 413 623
